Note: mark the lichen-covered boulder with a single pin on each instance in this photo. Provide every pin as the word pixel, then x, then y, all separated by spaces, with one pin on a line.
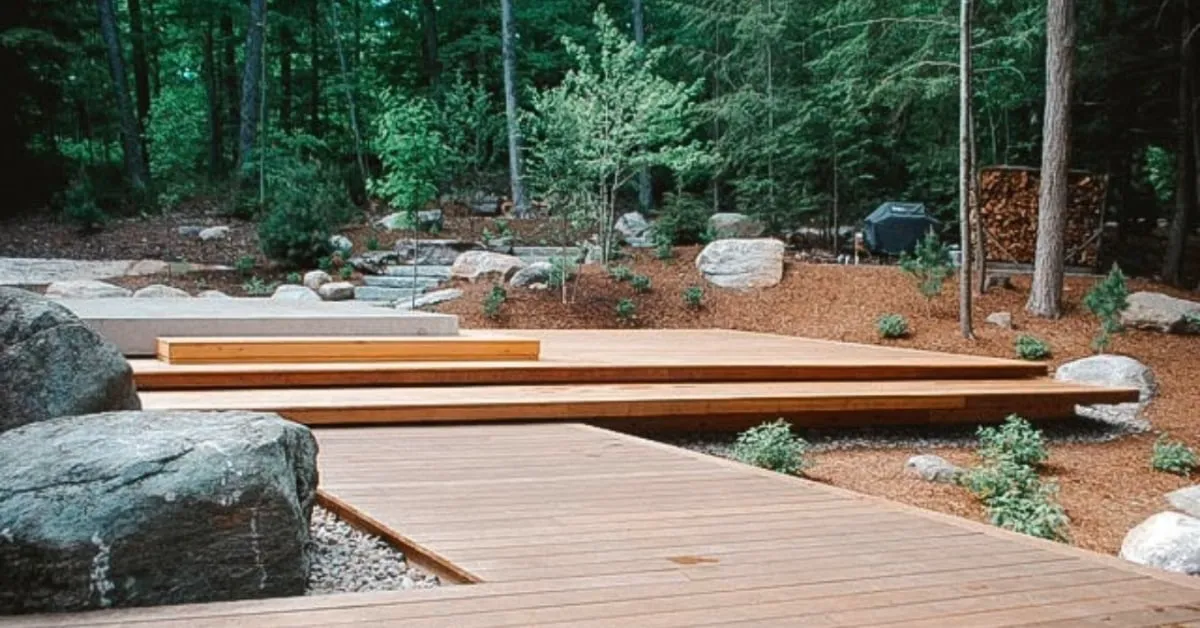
pixel 742 263
pixel 475 264
pixel 52 364
pixel 1112 371
pixel 1168 540
pixel 1159 312
pixel 144 508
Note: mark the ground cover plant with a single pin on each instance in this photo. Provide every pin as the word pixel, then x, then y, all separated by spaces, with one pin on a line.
pixel 772 446
pixel 1172 456
pixel 892 326
pixel 1031 348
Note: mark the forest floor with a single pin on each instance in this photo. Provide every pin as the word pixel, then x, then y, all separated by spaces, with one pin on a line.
pixel 1107 488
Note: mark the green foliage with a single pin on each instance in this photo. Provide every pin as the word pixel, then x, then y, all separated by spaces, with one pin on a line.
pixel 1031 348
pixel 683 219
pixel 693 297
pixel 892 326
pixel 1172 456
pixel 373 243
pixel 79 205
pixel 663 250
pixel 325 263
pixel 772 446
pixel 412 151
pixel 293 278
pixel 626 310
pixel 929 264
pixel 494 301
pixel 256 287
pixel 1106 300
pixel 178 137
pixel 245 265
pixel 620 273
pixel 346 272
pixel 1016 441
pixel 473 127
pixel 561 271
pixel 296 235
pixel 640 283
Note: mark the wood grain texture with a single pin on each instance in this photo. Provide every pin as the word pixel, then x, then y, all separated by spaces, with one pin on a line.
pixel 348 349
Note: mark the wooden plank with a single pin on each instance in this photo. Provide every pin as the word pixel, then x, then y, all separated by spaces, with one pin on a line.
pixel 320 349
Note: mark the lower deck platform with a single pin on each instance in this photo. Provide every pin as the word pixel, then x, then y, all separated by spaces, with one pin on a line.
pixel 573 526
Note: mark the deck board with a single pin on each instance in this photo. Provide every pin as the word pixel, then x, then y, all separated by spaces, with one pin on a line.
pixel 467 347
pixel 713 543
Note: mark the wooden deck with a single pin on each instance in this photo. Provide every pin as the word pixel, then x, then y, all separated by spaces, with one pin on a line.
pixel 570 525
pixel 472 347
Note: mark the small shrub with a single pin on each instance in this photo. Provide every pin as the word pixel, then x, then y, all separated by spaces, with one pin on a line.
pixel 892 326
pixel 626 310
pixel 683 219
pixel 929 264
pixel 620 273
pixel 346 272
pixel 693 297
pixel 640 283
pixel 256 287
pixel 372 243
pixel 664 250
pixel 1031 348
pixel 1106 300
pixel 561 271
pixel 293 278
pixel 494 301
pixel 245 265
pixel 80 207
pixel 772 446
pixel 1172 456
pixel 1015 441
pixel 296 234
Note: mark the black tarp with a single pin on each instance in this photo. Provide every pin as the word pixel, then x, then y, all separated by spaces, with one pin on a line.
pixel 897 227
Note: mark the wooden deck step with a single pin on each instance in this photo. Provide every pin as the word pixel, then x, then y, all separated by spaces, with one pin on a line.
pixel 692 406
pixel 318 349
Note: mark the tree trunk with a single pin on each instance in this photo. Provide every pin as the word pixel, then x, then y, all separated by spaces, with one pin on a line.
pixel 314 60
pixel 135 163
pixel 1045 298
pixel 229 74
pixel 645 189
pixel 251 75
pixel 141 67
pixel 1185 163
pixel 152 49
pixel 287 44
pixel 965 170
pixel 350 102
pixel 216 149
pixel 429 43
pixel 509 52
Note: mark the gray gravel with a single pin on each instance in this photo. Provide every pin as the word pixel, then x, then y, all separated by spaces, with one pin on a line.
pixel 346 560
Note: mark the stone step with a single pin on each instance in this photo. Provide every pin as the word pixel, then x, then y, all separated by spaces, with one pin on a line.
pixel 405 282
pixel 389 295
pixel 406 270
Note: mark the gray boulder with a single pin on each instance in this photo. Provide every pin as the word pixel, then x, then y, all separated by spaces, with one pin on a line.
pixel 374 262
pixel 292 292
pixel 1168 540
pixel 932 468
pixel 214 233
pixel 537 272
pixel 159 291
pixel 733 225
pixel 742 263
pixel 1159 312
pixel 144 508
pixel 1186 499
pixel 336 291
pixel 53 365
pixel 1112 371
pixel 475 264
pixel 432 252
pixel 635 230
pixel 314 279
pixel 85 289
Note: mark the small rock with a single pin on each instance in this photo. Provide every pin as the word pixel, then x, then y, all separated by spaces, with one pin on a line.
pixel 341 243
pixel 635 229
pixel 430 298
pixel 1000 319
pixel 742 263
pixel 932 468
pixel 1186 499
pixel 85 289
pixel 1158 312
pixel 214 233
pixel 475 264
pixel 291 292
pixel 213 294
pixel 159 291
pixel 336 291
pixel 998 282
pixel 1168 540
pixel 190 231
pixel 725 225
pixel 314 279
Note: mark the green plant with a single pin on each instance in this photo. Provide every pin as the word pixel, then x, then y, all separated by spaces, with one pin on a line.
pixel 325 263
pixel 1031 348
pixel 664 250
pixel 80 207
pixel 373 243
pixel 1016 441
pixel 626 310
pixel 693 297
pixel 640 283
pixel 256 287
pixel 892 326
pixel 1172 456
pixel 245 265
pixel 772 446
pixel 296 235
pixel 346 272
pixel 929 264
pixel 1017 499
pixel 293 278
pixel 494 301
pixel 1106 300
pixel 683 219
pixel 561 271
pixel 412 151
pixel 620 273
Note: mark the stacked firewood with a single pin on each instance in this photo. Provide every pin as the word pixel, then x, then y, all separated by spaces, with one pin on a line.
pixel 1009 208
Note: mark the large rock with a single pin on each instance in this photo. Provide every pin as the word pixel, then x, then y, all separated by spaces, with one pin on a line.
pixel 1112 371
pixel 1168 540
pixel 742 263
pixel 85 289
pixel 53 365
pixel 336 291
pixel 475 264
pixel 635 230
pixel 142 508
pixel 932 468
pixel 537 272
pixel 1186 499
pixel 432 252
pixel 733 225
pixel 159 291
pixel 1159 312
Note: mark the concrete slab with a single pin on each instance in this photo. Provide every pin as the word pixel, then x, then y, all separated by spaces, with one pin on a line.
pixel 134 325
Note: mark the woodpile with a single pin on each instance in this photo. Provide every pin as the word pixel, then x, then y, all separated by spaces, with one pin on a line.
pixel 1008 198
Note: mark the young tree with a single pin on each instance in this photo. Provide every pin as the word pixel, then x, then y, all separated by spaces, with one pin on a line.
pixel 251 81
pixel 1185 160
pixel 135 161
pixel 509 52
pixel 1045 297
pixel 966 168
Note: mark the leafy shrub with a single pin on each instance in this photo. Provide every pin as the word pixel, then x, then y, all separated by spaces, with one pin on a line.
pixel 1172 456
pixel 1017 499
pixel 1031 348
pixel 620 273
pixel 1107 299
pixel 892 326
pixel 412 151
pixel 325 263
pixel 664 250
pixel 929 264
pixel 256 287
pixel 494 301
pixel 640 283
pixel 693 297
pixel 561 271
pixel 372 243
pixel 683 219
pixel 245 265
pixel 80 207
pixel 772 446
pixel 346 272
pixel 293 278
pixel 1015 441
pixel 626 310
pixel 296 235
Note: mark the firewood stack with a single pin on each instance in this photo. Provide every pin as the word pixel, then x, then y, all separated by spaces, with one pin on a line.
pixel 1009 207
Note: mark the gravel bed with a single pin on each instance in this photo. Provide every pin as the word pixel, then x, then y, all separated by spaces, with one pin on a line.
pixel 345 559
